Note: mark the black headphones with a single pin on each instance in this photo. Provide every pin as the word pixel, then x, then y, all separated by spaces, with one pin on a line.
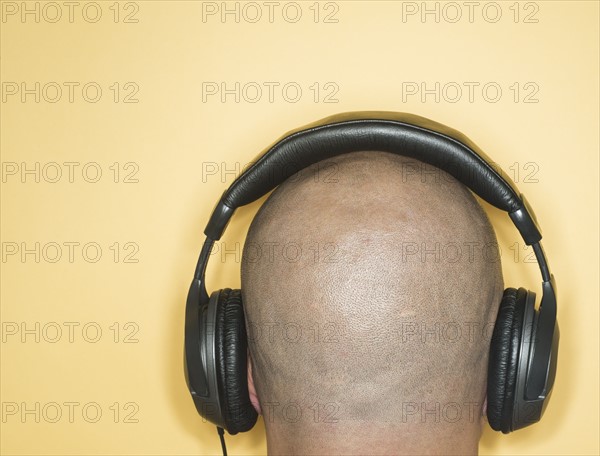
pixel 524 345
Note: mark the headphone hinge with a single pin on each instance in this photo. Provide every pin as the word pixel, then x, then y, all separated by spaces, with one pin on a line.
pixel 218 220
pixel 526 222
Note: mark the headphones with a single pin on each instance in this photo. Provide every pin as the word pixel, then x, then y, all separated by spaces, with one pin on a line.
pixel 524 344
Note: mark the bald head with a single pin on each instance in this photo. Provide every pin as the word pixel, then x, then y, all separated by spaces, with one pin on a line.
pixel 371 284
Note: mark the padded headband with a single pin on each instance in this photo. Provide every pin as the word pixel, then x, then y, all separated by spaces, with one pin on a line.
pixel 400 133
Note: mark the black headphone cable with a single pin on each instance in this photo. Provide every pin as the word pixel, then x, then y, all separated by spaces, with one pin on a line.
pixel 222 437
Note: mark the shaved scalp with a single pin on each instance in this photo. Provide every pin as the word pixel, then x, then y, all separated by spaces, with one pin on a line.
pixel 371 284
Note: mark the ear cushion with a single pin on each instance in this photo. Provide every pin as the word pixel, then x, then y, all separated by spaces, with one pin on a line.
pixel 231 360
pixel 504 358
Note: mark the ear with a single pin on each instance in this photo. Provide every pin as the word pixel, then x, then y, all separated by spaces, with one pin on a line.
pixel 251 387
pixel 484 408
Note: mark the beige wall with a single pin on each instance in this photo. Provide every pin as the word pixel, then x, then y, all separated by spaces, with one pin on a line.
pixel 163 141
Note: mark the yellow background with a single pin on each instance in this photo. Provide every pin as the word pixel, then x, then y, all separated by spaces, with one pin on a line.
pixel 170 133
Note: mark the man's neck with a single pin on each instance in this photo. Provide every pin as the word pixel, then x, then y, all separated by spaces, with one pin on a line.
pixel 378 439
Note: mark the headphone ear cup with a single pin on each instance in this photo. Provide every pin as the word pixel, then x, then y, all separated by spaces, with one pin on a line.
pixel 232 363
pixel 504 359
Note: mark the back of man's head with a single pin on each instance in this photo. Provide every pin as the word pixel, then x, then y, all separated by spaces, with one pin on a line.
pixel 371 284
